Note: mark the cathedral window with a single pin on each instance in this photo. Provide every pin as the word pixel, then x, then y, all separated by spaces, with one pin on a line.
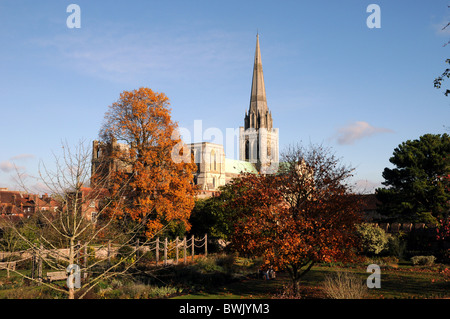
pixel 213 161
pixel 247 150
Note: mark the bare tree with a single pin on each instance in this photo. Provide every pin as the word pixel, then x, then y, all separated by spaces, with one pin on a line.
pixel 446 74
pixel 84 215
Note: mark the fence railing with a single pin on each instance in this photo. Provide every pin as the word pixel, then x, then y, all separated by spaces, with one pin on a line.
pixel 165 253
pixel 186 246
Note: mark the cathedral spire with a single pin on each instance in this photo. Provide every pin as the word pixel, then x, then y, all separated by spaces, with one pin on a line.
pixel 258 113
pixel 258 140
pixel 258 93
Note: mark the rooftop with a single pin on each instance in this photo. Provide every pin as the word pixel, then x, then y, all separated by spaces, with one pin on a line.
pixel 236 166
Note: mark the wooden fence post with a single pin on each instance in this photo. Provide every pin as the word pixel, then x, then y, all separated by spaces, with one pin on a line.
pixel 193 246
pixel 85 259
pixel 176 250
pixel 137 248
pixel 206 245
pixel 165 251
pixel 157 251
pixel 78 248
pixel 33 264
pixel 184 249
pixel 41 248
pixel 109 252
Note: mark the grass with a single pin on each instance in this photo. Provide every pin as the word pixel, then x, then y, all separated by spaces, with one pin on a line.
pixel 413 282
pixel 248 288
pixel 225 277
pixel 401 282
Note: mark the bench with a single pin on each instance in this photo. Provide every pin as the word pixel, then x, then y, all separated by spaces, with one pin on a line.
pixel 56 275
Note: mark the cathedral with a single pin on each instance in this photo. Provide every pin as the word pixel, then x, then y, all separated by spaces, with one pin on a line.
pixel 258 145
pixel 258 142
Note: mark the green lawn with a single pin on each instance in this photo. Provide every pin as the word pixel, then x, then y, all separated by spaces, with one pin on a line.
pixel 402 282
pixel 218 279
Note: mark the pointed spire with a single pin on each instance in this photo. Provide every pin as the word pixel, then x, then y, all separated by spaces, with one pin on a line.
pixel 258 93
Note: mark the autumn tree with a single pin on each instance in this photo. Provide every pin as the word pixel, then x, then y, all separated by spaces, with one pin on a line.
pixel 161 191
pixel 304 214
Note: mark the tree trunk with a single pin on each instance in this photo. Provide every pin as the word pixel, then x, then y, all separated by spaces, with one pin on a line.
pixel 71 260
pixel 296 273
pixel 295 280
pixel 295 287
pixel 71 293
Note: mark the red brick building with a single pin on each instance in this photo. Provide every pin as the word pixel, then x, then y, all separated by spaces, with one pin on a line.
pixel 16 203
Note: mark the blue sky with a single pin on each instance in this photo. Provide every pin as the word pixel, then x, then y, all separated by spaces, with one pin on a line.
pixel 329 78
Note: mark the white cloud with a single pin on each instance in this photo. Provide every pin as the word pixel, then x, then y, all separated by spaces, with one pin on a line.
pixel 22 157
pixel 442 27
pixel 349 134
pixel 117 56
pixel 10 166
pixel 7 167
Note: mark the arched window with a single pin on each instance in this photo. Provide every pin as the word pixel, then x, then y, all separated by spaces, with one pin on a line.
pixel 247 150
pixel 257 157
pixel 213 160
pixel 253 148
pixel 196 160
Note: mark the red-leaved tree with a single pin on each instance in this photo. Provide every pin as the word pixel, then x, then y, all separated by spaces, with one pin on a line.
pixel 304 214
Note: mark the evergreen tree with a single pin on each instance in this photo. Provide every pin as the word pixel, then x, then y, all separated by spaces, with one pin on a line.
pixel 418 187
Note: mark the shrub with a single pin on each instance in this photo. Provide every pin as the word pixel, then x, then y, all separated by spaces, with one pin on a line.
pixel 142 291
pixel 344 285
pixel 288 293
pixel 420 240
pixel 387 261
pixel 423 260
pixel 161 292
pixel 217 263
pixel 374 239
pixel 200 276
pixel 396 246
pixel 125 252
pixel 444 256
pixel 226 262
pixel 208 265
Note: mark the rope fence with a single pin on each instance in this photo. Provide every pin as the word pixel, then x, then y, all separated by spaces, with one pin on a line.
pixel 159 251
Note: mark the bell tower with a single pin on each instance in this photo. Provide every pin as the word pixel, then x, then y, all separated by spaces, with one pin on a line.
pixel 258 140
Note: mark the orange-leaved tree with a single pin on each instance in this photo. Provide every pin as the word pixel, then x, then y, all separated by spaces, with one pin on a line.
pixel 160 191
pixel 302 215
